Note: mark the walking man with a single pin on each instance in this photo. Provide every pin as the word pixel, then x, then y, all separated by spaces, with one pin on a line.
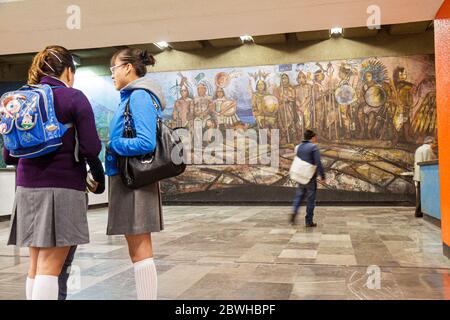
pixel 308 152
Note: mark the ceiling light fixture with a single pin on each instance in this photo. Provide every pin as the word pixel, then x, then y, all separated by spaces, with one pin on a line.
pixel 162 45
pixel 246 38
pixel 336 31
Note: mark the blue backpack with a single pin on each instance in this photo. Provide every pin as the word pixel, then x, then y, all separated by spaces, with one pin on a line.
pixel 28 122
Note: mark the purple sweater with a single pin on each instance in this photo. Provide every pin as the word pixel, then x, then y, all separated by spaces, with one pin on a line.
pixel 59 169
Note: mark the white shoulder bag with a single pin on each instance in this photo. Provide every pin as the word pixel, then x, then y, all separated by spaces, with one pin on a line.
pixel 302 171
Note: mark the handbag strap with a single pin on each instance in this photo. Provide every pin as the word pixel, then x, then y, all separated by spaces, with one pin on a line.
pixel 155 104
pixel 129 131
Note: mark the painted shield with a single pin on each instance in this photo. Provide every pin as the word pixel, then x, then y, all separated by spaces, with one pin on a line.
pixel 345 94
pixel 375 96
pixel 271 103
pixel 229 108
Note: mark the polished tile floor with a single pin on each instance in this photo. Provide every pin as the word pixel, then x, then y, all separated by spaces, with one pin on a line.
pixel 244 252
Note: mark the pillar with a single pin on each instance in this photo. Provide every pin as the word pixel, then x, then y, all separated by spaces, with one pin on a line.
pixel 442 53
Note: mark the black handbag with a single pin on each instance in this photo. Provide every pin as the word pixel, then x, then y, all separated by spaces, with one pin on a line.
pixel 166 161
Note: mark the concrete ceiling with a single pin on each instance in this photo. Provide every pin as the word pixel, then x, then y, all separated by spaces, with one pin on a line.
pixel 359 32
pixel 270 39
pixel 91 55
pixel 227 42
pixel 410 28
pixel 313 35
pixel 107 23
pixel 186 45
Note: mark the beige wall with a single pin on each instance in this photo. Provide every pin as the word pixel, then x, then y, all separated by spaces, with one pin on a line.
pixel 340 48
pixel 250 55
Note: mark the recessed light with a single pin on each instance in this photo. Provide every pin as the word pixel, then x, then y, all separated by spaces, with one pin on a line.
pixel 336 31
pixel 246 38
pixel 162 45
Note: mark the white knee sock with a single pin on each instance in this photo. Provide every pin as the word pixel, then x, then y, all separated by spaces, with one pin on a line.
pixel 29 288
pixel 146 279
pixel 45 288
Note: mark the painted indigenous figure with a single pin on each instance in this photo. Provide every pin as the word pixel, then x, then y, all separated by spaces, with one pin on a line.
pixel 288 122
pixel 367 113
pixel 424 120
pixel 331 109
pixel 264 106
pixel 346 99
pixel 182 109
pixel 374 94
pixel 224 110
pixel 303 99
pixel 319 100
pixel 202 106
pixel 403 114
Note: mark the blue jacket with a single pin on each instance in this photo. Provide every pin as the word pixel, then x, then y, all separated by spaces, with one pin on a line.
pixel 309 152
pixel 144 116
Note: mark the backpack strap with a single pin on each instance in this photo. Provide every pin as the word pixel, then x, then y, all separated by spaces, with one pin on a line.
pixel 76 152
pixel 69 125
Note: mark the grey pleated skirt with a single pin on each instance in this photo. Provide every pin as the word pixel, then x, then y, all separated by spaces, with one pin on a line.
pixel 49 217
pixel 133 211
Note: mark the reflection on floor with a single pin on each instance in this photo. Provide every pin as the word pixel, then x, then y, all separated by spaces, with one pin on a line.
pixel 245 252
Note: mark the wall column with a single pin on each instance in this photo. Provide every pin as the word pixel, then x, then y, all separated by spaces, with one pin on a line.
pixel 442 52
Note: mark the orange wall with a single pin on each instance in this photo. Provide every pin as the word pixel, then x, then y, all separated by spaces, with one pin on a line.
pixel 444 11
pixel 442 52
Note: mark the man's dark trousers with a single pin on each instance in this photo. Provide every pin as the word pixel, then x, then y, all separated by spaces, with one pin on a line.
pixel 307 191
pixel 64 275
pixel 418 204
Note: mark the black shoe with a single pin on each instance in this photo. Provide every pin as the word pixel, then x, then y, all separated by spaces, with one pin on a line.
pixel 418 215
pixel 311 225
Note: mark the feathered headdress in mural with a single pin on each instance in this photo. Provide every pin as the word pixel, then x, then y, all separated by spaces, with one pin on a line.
pixel 260 75
pixel 376 68
pixel 200 79
pixel 184 82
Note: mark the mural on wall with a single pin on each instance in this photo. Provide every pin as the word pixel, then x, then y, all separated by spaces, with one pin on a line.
pixel 370 115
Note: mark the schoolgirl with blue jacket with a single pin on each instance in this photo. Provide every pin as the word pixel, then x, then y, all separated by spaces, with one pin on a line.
pixel 135 213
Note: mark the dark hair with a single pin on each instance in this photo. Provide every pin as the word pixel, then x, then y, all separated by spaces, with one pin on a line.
pixel 263 82
pixel 138 58
pixel 309 134
pixel 217 90
pixel 396 75
pixel 52 61
pixel 317 73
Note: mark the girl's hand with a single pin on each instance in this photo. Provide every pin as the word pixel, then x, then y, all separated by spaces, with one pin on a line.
pixel 91 184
